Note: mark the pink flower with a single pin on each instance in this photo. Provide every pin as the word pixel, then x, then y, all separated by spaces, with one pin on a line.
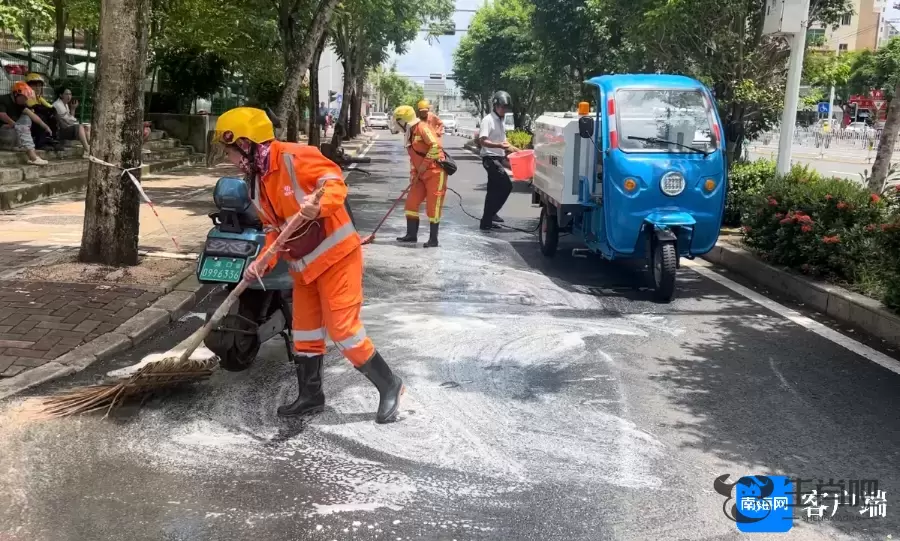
pixel 875 197
pixel 806 229
pixel 832 240
pixel 842 205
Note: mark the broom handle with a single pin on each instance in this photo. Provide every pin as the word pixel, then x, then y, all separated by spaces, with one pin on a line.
pixel 192 342
pixel 385 217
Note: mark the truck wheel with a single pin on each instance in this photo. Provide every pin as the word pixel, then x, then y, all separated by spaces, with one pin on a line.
pixel 665 261
pixel 548 233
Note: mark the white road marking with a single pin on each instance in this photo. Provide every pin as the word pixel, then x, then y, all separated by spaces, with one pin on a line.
pixel 703 268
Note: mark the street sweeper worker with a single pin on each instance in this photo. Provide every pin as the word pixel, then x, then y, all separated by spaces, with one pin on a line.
pixel 428 181
pixel 434 122
pixel 325 259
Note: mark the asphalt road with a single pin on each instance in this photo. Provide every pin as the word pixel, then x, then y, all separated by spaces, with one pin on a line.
pixel 548 400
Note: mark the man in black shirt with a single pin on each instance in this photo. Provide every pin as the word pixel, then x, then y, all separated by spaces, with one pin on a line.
pixel 16 115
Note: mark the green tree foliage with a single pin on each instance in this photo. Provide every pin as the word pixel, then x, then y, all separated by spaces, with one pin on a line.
pixel 393 89
pixel 189 73
pixel 880 70
pixel 499 53
pixel 719 42
pixel 14 14
pixel 364 30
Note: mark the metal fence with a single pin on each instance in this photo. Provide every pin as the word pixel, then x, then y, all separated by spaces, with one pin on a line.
pixel 847 138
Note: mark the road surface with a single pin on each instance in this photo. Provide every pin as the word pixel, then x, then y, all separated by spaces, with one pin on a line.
pixel 548 400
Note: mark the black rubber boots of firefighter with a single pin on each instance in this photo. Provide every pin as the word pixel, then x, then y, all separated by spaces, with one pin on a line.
pixel 389 386
pixel 412 233
pixel 311 398
pixel 412 230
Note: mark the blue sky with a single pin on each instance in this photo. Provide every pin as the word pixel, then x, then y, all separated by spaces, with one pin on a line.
pixel 422 59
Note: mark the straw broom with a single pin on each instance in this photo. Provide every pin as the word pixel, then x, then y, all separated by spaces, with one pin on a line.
pixel 176 368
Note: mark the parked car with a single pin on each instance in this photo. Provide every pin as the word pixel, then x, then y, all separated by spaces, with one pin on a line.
pixel 13 70
pixel 450 122
pixel 40 63
pixel 378 120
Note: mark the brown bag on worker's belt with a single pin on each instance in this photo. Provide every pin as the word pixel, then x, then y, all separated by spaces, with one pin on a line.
pixel 308 239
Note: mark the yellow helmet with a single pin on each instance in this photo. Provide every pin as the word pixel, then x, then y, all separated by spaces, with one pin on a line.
pixel 244 122
pixel 423 105
pixel 34 78
pixel 404 114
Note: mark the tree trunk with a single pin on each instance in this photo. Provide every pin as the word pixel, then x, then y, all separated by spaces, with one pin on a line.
pixel 293 125
pixel 59 46
pixel 345 105
pixel 112 205
pixel 298 55
pixel 314 135
pixel 882 165
pixel 356 109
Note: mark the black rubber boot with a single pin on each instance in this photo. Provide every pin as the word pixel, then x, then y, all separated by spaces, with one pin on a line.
pixel 310 399
pixel 432 237
pixel 412 231
pixel 497 219
pixel 389 386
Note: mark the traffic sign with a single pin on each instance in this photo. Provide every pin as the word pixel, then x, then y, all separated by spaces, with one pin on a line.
pixel 823 107
pixel 878 104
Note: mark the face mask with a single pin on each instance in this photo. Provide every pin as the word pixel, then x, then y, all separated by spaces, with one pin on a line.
pixel 261 159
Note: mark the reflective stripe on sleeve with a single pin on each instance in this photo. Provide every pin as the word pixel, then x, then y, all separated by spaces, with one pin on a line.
pixel 299 194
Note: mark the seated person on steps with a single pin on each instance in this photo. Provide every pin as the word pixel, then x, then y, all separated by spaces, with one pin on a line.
pixel 15 114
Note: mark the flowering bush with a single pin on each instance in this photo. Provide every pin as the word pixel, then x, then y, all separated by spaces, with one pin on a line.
pixel 828 227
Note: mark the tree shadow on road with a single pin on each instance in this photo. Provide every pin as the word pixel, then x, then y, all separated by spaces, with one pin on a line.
pixel 821 412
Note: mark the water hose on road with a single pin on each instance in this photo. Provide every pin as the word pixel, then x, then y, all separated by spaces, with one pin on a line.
pixel 478 218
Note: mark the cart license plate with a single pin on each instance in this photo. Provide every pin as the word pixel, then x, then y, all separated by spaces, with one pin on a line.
pixel 222 269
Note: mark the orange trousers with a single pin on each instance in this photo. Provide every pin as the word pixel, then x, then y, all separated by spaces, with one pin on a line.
pixel 429 187
pixel 330 306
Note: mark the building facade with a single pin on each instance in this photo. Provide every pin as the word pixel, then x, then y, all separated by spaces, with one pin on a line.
pixel 861 30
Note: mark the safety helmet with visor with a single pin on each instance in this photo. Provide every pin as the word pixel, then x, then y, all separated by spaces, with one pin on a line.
pixel 239 133
pixel 501 99
pixel 404 118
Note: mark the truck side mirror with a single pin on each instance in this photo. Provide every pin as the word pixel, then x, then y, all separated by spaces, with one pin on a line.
pixel 586 127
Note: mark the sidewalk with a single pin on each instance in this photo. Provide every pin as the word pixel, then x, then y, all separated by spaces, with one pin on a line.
pixel 58 316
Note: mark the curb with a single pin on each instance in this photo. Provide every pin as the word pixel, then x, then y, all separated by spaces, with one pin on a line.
pixel 180 296
pixel 845 306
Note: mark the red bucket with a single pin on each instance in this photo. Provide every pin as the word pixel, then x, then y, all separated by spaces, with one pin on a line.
pixel 522 164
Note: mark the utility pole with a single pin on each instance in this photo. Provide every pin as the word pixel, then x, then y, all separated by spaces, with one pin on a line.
pixel 792 92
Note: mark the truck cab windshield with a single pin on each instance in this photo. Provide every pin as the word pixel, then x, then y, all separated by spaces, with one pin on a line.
pixel 672 121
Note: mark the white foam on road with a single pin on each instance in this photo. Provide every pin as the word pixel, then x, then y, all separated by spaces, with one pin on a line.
pixel 704 268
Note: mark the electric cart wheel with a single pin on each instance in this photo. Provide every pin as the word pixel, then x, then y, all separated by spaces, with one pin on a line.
pixel 548 233
pixel 237 343
pixel 665 262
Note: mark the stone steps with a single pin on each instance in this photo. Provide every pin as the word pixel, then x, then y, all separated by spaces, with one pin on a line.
pixel 10 158
pixel 24 193
pixel 20 173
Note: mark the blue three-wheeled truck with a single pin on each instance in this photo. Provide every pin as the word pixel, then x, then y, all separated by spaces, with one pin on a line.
pixel 641 177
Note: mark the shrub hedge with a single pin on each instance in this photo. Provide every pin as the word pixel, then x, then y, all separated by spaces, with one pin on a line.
pixel 830 228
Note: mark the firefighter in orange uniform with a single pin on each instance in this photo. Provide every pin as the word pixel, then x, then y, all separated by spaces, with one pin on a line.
pixel 326 261
pixel 427 179
pixel 434 122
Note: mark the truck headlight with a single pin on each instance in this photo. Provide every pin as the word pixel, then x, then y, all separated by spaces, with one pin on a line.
pixel 672 183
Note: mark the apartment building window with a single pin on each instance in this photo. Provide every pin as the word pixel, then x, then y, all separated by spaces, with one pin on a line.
pixel 845 20
pixel 815 37
pixel 842 48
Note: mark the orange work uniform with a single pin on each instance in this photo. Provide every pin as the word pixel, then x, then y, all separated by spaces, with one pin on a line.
pixel 428 179
pixel 436 125
pixel 327 281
